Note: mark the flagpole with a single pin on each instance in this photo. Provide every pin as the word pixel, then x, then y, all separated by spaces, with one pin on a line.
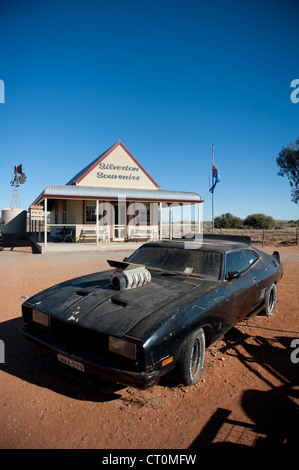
pixel 213 191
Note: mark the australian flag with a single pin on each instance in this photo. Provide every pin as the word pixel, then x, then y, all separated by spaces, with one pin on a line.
pixel 215 179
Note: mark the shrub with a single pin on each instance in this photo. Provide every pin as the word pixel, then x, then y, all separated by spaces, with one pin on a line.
pixel 259 221
pixel 227 221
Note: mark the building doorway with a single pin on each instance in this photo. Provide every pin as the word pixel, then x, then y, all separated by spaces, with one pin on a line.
pixel 119 222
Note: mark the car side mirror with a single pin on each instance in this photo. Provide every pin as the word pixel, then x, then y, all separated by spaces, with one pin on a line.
pixel 233 275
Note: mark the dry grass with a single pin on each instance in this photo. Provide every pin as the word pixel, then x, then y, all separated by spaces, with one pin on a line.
pixel 286 236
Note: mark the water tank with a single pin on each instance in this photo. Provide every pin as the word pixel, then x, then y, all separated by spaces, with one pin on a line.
pixel 15 220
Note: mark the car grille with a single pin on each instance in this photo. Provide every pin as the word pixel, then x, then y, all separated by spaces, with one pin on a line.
pixel 87 340
pixel 92 344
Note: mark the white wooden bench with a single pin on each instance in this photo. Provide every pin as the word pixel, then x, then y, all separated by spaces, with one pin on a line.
pixel 89 233
pixel 147 233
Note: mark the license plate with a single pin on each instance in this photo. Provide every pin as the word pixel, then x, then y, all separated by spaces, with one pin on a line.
pixel 70 362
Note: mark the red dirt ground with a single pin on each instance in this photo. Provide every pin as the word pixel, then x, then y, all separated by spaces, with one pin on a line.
pixel 248 395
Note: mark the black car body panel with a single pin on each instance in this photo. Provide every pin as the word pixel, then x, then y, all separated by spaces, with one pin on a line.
pixel 152 321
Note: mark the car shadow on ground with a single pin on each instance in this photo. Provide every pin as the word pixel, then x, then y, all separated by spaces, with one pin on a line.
pixel 31 363
pixel 273 415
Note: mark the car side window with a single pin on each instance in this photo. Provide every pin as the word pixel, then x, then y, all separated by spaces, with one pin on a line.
pixel 239 261
pixel 251 257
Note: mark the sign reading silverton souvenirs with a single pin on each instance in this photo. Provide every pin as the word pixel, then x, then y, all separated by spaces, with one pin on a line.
pixel 116 168
pixel 128 172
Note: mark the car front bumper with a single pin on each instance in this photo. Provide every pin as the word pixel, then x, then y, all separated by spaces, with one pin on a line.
pixel 80 361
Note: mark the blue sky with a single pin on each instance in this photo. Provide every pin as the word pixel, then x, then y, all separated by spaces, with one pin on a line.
pixel 168 79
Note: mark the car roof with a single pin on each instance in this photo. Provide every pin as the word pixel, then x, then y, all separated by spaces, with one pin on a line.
pixel 207 242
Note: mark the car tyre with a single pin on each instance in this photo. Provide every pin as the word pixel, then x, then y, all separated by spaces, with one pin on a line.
pixel 191 362
pixel 270 301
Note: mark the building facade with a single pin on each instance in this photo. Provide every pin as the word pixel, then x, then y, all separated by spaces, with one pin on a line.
pixel 115 199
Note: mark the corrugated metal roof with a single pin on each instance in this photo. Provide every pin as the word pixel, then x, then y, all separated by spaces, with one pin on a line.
pixel 87 192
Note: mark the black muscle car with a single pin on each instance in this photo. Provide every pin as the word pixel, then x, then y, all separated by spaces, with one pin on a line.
pixel 156 311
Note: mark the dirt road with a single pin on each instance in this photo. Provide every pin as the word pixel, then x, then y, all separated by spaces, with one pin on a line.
pixel 248 395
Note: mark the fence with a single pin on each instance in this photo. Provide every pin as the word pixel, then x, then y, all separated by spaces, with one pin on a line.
pixel 286 236
pixel 289 236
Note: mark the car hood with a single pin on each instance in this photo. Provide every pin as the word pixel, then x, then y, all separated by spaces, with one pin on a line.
pixel 91 302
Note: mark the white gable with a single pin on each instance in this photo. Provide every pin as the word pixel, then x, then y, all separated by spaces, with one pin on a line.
pixel 117 168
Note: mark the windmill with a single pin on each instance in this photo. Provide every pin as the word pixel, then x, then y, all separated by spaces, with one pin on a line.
pixel 18 178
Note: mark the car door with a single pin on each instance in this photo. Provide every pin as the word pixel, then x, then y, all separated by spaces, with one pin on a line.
pixel 244 286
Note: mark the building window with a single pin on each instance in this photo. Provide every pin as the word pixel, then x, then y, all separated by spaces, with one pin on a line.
pixel 143 214
pixel 90 214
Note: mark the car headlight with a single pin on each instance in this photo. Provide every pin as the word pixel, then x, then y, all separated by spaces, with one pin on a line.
pixel 40 318
pixel 122 347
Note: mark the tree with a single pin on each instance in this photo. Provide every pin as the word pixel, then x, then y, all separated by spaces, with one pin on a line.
pixel 259 221
pixel 227 221
pixel 288 162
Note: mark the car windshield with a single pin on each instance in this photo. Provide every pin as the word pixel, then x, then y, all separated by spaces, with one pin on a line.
pixel 189 262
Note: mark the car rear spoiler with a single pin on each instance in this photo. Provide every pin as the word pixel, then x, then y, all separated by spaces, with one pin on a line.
pixel 228 238
pixel 276 255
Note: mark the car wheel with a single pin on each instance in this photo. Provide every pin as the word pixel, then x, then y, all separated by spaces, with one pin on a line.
pixel 191 362
pixel 270 301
